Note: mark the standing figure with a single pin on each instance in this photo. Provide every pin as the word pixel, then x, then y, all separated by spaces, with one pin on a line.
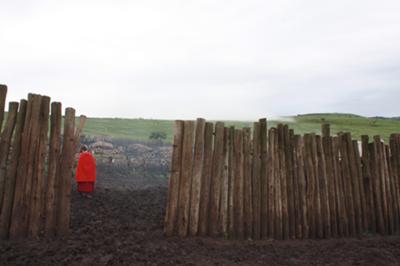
pixel 86 171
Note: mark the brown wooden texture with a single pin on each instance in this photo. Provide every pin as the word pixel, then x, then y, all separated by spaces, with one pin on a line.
pixel 10 186
pixel 66 164
pixel 263 176
pixel 30 137
pixel 278 223
pixel 5 141
pixel 288 150
pixel 323 189
pixel 231 196
pixel 394 174
pixel 18 211
pixel 185 178
pixel 3 95
pixel 347 184
pixel 302 222
pixel 271 172
pixel 224 206
pixel 196 178
pixel 294 180
pixel 331 178
pixel 375 175
pixel 367 182
pixel 247 184
pixel 256 182
pixel 389 196
pixel 360 183
pixel 382 181
pixel 317 195
pixel 238 172
pixel 343 228
pixel 310 188
pixel 53 161
pixel 354 177
pixel 206 179
pixel 282 176
pixel 216 177
pixel 26 168
pixel 38 181
pixel 296 187
pixel 171 215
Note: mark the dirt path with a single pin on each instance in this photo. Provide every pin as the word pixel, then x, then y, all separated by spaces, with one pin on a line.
pixel 121 227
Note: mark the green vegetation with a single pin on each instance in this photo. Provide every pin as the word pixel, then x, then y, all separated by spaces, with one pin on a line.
pixel 141 129
pixel 158 136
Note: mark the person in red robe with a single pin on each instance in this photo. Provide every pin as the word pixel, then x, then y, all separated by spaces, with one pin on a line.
pixel 86 171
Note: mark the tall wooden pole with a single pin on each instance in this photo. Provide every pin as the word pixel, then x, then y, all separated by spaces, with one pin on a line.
pixel 11 172
pixel 52 177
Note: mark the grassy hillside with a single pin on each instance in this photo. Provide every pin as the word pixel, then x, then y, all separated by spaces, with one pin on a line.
pixel 140 129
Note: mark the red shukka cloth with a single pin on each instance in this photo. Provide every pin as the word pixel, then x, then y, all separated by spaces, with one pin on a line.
pixel 86 172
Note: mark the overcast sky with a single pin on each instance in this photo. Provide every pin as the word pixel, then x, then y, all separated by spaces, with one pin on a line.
pixel 213 59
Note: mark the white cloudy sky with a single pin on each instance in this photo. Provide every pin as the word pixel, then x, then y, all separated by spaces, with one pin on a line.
pixel 214 59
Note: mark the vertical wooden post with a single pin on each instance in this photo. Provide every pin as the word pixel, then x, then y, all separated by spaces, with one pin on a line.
pixel 375 174
pixel 282 176
pixel 389 196
pixel 216 177
pixel 38 182
pixel 52 177
pixel 367 181
pixel 263 176
pixel 20 213
pixel 174 179
pixel 256 182
pixel 317 195
pixel 33 164
pixel 359 177
pixel 348 184
pixel 231 198
pixel 278 223
pixel 11 172
pixel 394 174
pixel 310 187
pixel 323 188
pixel 224 206
pixel 238 186
pixel 354 178
pixel 5 141
pixel 271 172
pixel 3 95
pixel 185 178
pixel 326 130
pixel 206 179
pixel 196 179
pixel 66 164
pixel 382 181
pixel 343 228
pixel 288 150
pixel 248 205
pixel 302 221
pixel 396 163
pixel 78 131
pixel 328 150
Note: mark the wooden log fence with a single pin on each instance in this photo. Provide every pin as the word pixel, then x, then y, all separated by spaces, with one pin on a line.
pixel 36 167
pixel 273 184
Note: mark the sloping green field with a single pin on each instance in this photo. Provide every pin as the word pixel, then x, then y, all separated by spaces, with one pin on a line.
pixel 140 129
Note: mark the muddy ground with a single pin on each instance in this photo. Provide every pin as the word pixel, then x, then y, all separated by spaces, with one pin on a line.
pixel 122 225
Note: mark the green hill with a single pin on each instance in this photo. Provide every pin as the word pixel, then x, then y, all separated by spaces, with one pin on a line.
pixel 141 129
